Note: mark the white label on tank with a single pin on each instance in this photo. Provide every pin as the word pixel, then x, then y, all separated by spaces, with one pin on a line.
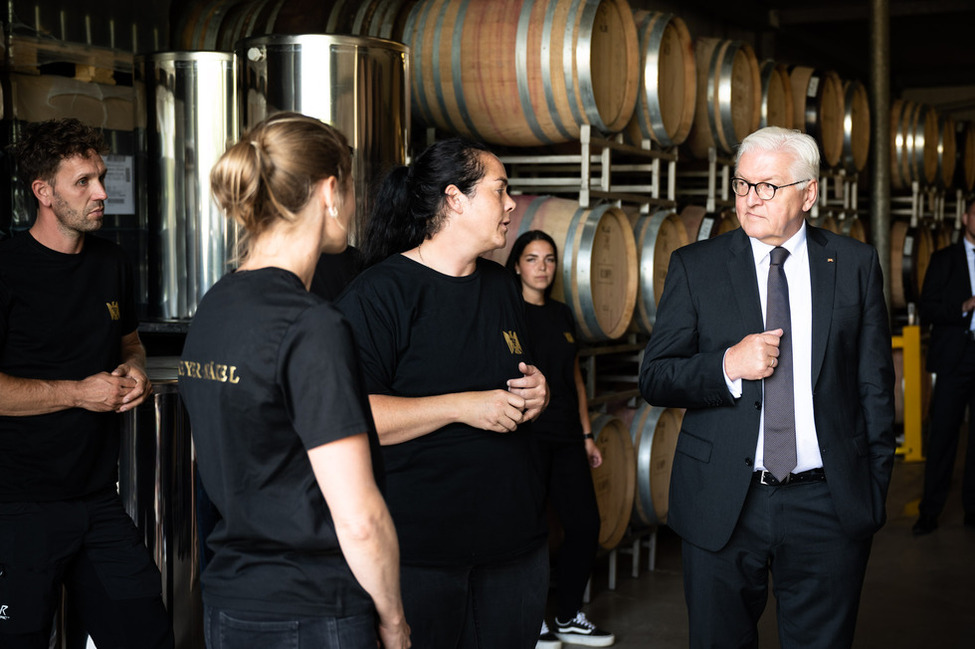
pixel 119 184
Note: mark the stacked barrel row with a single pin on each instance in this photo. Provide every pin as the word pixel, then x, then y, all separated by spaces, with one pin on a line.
pixel 527 73
pixel 633 483
pixel 929 151
pixel 930 148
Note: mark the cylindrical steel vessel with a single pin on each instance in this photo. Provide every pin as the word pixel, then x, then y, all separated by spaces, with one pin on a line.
pixel 359 85
pixel 157 483
pixel 191 119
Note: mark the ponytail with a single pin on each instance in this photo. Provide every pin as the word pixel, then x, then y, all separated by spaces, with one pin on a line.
pixel 270 173
pixel 410 204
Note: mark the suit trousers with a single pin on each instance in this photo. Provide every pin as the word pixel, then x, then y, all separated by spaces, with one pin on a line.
pixel 817 573
pixel 953 391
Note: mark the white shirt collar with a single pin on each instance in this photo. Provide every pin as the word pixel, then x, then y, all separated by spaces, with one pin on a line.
pixel 796 245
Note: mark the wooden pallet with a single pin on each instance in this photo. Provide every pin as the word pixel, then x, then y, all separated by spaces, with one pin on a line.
pixel 86 63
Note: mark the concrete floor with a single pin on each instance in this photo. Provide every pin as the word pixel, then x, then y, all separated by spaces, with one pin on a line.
pixel 919 592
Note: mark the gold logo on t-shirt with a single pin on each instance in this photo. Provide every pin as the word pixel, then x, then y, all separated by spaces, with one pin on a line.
pixel 113 310
pixel 209 371
pixel 514 345
pixel 568 336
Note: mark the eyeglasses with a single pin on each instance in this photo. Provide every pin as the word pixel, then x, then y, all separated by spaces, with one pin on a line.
pixel 765 191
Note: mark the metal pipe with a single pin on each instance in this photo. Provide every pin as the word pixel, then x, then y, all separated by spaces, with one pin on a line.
pixel 880 137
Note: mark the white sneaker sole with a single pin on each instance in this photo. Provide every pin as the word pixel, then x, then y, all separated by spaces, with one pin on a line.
pixel 586 640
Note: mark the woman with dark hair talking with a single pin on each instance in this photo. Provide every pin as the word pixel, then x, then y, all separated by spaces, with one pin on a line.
pixel 305 553
pixel 442 340
pixel 562 439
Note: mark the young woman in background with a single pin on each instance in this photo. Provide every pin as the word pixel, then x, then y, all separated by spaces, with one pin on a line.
pixel 562 439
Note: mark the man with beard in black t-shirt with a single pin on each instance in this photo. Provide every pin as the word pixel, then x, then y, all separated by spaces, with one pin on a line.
pixel 70 359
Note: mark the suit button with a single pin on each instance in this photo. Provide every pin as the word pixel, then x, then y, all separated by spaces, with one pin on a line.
pixel 748 461
pixel 758 405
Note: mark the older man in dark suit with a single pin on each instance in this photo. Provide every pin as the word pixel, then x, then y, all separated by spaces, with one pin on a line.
pixel 947 303
pixel 775 338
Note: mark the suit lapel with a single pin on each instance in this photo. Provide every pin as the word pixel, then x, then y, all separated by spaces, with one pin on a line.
pixel 963 284
pixel 822 276
pixel 744 281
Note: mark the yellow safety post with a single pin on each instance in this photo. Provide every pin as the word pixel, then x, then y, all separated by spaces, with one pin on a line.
pixel 910 342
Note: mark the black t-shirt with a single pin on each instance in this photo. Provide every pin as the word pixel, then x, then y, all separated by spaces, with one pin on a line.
pixel 268 372
pixel 61 317
pixel 552 331
pixel 459 495
pixel 334 272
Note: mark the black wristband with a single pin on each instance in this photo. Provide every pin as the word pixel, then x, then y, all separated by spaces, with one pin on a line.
pixel 588 436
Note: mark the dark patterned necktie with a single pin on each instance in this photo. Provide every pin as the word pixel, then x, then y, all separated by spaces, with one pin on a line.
pixel 780 410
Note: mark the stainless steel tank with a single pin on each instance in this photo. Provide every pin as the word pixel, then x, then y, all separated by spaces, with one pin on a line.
pixel 359 85
pixel 191 119
pixel 158 486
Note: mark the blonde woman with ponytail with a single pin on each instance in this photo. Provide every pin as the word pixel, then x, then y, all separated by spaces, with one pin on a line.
pixel 305 553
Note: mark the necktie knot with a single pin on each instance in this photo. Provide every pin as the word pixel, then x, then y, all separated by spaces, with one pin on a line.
pixel 778 256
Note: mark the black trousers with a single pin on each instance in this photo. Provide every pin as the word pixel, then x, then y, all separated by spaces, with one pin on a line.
pixel 953 392
pixel 571 494
pixel 817 573
pixel 92 547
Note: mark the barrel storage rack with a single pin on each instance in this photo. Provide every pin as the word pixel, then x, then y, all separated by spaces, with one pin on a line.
pixel 837 208
pixel 640 180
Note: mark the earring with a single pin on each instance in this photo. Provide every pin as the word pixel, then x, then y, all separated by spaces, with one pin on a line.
pixel 333 212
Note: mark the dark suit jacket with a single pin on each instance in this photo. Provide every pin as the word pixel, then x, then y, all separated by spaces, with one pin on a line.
pixel 710 302
pixel 946 286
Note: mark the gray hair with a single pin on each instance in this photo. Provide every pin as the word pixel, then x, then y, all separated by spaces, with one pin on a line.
pixel 804 149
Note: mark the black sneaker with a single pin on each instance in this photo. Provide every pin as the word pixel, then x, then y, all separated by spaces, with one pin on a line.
pixel 581 631
pixel 924 525
pixel 547 639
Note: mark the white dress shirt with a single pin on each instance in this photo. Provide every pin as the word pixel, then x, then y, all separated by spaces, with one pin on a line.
pixel 970 262
pixel 800 306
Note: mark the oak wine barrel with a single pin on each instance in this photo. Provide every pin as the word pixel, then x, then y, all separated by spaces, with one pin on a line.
pixel 910 253
pixel 657 236
pixel 597 273
pixel 914 144
pixel 947 152
pixel 826 222
pixel 615 479
pixel 853 227
pixel 856 126
pixel 729 96
pixel 528 73
pixel 818 105
pixel 778 105
pixel 654 431
pixel 899 174
pixel 965 167
pixel 668 80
